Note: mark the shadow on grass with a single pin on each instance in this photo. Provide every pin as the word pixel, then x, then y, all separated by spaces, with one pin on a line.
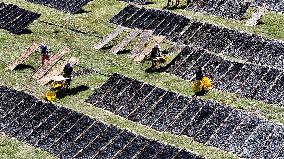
pixel 81 11
pixel 107 47
pixel 260 22
pixel 201 93
pixel 174 7
pixel 123 52
pixel 23 67
pixel 72 91
pixel 155 70
pixel 24 31
pixel 56 31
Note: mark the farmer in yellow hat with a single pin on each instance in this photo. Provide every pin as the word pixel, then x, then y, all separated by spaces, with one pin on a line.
pixel 202 84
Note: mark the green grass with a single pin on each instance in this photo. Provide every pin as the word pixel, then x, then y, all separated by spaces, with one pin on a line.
pixel 11 148
pixel 95 23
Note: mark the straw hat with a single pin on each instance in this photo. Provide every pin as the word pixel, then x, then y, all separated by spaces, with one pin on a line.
pixel 58 78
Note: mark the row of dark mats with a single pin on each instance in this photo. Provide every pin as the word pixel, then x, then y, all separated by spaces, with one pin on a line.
pixel 266 55
pixel 207 122
pixel 226 8
pixel 277 6
pixel 69 6
pixel 15 19
pixel 67 133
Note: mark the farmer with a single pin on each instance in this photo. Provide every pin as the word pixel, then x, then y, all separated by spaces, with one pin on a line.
pixel 199 73
pixel 67 72
pixel 155 53
pixel 44 53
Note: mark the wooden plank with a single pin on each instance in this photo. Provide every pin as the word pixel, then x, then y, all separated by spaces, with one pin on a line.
pixel 57 71
pixel 143 38
pixel 148 49
pixel 109 37
pixel 125 41
pixel 22 57
pixel 40 72
pixel 256 16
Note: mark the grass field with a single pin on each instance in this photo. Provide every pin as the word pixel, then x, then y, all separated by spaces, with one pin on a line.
pixel 95 23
